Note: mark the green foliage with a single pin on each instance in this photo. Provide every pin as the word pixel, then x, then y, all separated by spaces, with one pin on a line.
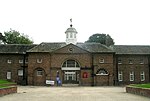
pixel 101 38
pixel 14 37
pixel 142 85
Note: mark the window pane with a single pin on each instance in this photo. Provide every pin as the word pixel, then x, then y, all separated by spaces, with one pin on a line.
pixel 39 72
pixel 131 76
pixel 70 63
pixel 120 76
pixel 142 76
pixel 8 75
pixel 77 65
pixel 20 72
pixel 64 64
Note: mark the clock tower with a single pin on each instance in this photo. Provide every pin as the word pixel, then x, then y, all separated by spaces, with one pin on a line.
pixel 71 34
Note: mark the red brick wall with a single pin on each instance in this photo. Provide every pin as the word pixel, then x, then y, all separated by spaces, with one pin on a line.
pixel 13 67
pixel 33 66
pixel 126 68
pixel 108 65
pixel 138 91
pixel 9 90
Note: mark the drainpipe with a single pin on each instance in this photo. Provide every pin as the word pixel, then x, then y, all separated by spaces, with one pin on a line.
pixel 149 67
pixel 24 66
pixel 93 71
pixel 116 80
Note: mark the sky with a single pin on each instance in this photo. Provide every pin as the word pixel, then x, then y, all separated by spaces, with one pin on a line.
pixel 126 21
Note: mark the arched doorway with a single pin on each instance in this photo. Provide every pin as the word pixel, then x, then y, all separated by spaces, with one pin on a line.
pixel 39 77
pixel 70 70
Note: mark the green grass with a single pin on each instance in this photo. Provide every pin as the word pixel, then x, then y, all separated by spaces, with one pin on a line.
pixel 142 85
pixel 4 86
pixel 5 82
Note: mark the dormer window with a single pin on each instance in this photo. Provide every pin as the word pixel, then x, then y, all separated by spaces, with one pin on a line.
pixel 130 61
pixel 101 60
pixel 20 61
pixel 9 61
pixel 119 61
pixel 39 60
pixel 141 61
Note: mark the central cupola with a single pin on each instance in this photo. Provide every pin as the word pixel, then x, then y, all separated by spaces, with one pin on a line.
pixel 71 34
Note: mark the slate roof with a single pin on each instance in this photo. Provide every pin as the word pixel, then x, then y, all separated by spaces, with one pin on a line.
pixel 47 47
pixel 15 48
pixel 91 47
pixel 131 49
pixel 94 47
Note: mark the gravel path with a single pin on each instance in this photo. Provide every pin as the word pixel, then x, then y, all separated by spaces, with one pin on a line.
pixel 34 93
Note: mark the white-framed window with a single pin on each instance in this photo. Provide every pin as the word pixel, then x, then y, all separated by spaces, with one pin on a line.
pixel 39 72
pixel 20 72
pixel 20 61
pixel 142 76
pixel 131 76
pixel 8 75
pixel 71 63
pixel 39 60
pixel 71 35
pixel 130 61
pixel 101 72
pixel 74 35
pixel 101 60
pixel 67 35
pixel 141 61
pixel 119 61
pixel 9 61
pixel 120 76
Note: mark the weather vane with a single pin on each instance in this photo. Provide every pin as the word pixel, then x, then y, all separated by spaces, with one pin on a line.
pixel 71 22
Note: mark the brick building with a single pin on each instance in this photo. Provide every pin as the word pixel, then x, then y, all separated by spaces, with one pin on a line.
pixel 84 64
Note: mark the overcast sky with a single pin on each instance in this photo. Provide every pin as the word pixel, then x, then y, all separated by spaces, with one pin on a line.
pixel 126 21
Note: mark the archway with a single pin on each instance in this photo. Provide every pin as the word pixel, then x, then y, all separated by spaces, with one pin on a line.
pixel 71 71
pixel 39 77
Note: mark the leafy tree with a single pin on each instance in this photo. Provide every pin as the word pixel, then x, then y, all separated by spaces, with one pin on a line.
pixel 14 37
pixel 101 38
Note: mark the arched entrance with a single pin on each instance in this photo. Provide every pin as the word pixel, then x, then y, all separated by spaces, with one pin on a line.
pixel 70 70
pixel 39 77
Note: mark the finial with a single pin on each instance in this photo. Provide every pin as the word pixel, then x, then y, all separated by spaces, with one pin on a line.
pixel 71 22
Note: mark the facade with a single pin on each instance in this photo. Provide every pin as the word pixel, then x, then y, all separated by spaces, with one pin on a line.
pixel 84 64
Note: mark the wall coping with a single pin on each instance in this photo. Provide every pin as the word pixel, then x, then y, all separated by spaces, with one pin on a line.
pixel 138 90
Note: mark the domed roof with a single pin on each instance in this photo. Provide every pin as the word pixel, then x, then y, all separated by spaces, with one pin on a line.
pixel 71 29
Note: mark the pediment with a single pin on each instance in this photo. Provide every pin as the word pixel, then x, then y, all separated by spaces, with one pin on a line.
pixel 70 48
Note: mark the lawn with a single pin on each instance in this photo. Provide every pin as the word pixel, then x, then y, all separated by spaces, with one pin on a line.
pixel 5 82
pixel 142 85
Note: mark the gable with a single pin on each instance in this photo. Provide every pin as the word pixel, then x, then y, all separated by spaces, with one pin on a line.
pixel 71 48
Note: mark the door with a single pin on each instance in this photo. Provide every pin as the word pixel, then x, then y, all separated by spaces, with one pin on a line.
pixel 70 77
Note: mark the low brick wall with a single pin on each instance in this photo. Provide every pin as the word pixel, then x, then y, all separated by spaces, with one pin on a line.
pixel 138 91
pixel 9 90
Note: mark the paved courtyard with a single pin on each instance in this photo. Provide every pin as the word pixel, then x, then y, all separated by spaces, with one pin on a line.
pixel 34 93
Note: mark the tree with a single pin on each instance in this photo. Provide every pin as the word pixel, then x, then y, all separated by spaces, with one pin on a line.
pixel 101 38
pixel 14 37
